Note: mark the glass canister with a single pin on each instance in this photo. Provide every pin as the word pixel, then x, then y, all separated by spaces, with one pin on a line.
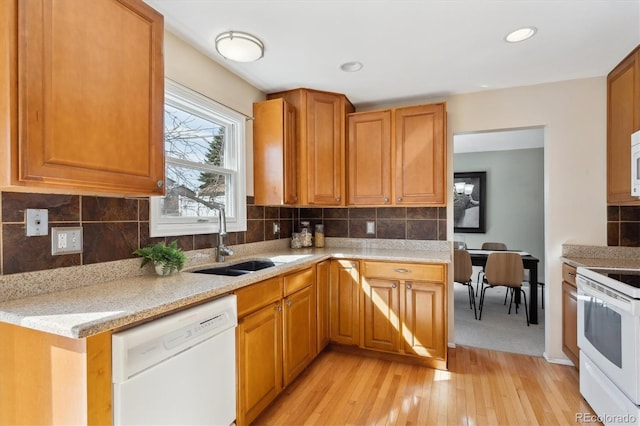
pixel 305 234
pixel 319 235
pixel 296 240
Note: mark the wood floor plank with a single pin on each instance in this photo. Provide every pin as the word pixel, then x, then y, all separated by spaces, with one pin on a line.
pixel 481 387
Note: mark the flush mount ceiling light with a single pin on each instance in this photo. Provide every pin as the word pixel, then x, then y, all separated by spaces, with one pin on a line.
pixel 239 47
pixel 351 66
pixel 521 34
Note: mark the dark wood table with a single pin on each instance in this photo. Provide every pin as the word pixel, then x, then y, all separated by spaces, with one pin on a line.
pixel 530 263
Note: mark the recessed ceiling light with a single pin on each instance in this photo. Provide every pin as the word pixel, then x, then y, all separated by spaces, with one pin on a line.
pixel 351 66
pixel 521 34
pixel 484 86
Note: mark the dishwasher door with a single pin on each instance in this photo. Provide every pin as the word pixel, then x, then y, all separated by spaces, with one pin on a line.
pixel 178 370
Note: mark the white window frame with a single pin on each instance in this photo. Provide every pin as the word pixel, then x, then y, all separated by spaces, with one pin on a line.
pixel 186 99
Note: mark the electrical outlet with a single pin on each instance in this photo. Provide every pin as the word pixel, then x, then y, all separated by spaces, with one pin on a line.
pixel 371 227
pixel 66 240
pixel 276 228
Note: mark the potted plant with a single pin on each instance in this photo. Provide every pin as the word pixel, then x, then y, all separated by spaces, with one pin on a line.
pixel 165 258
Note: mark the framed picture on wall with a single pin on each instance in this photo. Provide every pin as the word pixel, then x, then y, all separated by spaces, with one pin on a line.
pixel 469 202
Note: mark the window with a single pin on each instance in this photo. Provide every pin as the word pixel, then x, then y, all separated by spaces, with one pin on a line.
pixel 204 145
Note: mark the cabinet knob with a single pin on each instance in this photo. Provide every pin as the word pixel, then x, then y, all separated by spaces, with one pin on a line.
pixel 393 285
pixel 160 183
pixel 338 199
pixel 399 198
pixel 408 286
pixel 295 198
pixel 289 303
pixel 353 264
pixel 279 308
pixel 386 199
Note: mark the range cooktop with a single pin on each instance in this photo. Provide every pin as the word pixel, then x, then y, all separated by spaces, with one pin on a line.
pixel 626 281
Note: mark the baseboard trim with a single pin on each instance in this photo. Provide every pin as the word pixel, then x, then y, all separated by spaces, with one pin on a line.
pixel 562 361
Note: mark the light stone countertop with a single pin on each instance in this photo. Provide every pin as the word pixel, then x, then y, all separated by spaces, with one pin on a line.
pixel 599 256
pixel 89 309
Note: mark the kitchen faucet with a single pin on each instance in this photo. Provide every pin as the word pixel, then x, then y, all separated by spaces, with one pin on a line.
pixel 221 249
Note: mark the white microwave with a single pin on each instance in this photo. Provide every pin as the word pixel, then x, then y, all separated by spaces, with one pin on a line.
pixel 635 164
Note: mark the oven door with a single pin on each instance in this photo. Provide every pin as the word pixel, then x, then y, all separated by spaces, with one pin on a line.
pixel 608 333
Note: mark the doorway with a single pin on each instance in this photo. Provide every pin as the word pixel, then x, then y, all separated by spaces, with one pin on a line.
pixel 513 160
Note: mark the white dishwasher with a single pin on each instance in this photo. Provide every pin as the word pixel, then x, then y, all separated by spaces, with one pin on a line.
pixel 178 369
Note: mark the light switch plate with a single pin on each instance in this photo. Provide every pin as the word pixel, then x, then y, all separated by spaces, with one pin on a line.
pixel 371 227
pixel 66 240
pixel 37 221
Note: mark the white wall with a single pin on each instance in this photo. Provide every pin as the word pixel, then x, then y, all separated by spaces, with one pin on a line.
pixel 573 114
pixel 189 67
pixel 514 210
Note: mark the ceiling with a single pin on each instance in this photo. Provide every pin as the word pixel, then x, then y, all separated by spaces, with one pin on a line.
pixel 498 140
pixel 412 48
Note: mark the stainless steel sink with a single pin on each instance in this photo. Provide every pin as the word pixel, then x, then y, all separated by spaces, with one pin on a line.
pixel 238 268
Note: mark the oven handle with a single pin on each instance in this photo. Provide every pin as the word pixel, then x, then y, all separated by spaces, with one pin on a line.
pixel 613 299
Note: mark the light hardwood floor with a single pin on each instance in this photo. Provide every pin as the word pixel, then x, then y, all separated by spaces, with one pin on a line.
pixel 481 387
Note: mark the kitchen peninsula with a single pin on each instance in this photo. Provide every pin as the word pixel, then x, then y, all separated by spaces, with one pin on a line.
pixel 75 324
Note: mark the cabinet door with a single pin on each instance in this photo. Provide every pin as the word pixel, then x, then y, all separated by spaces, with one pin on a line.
pixel 259 357
pixel 570 323
pixel 299 332
pixel 322 307
pixel 420 155
pixel 91 87
pixel 325 143
pixel 344 289
pixel 623 119
pixel 380 314
pixel 275 153
pixel 423 319
pixel 369 156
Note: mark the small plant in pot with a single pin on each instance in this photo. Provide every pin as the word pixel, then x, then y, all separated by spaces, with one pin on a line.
pixel 166 258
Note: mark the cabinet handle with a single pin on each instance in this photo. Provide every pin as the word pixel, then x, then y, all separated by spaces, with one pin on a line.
pixel 160 183
pixel 289 303
pixel 386 199
pixel 399 198
pixel 408 286
pixel 402 270
pixel 393 285
pixel 571 274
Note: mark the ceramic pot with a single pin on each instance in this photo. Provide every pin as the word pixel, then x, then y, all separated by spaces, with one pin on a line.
pixel 160 269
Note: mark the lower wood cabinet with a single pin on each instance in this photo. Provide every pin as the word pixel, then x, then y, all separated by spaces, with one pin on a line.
pixel 323 270
pixel 570 314
pixel 404 310
pixel 345 302
pixel 276 338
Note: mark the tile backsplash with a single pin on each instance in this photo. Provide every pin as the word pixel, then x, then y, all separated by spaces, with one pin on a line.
pixel 623 226
pixel 114 227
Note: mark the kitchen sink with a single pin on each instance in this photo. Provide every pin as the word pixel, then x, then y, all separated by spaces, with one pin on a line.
pixel 238 268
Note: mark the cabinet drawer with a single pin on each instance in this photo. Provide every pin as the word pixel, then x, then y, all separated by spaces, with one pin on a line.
pixel 405 271
pixel 569 274
pixel 298 280
pixel 258 295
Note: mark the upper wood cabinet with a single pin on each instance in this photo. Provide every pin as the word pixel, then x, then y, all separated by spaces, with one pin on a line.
pixel 275 153
pixel 83 96
pixel 369 153
pixel 623 119
pixel 320 129
pixel 398 156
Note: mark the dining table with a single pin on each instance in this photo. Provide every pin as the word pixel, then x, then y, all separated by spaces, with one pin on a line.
pixel 529 262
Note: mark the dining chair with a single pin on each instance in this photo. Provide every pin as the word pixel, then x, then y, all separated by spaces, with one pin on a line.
pixel 462 272
pixel 489 246
pixel 459 245
pixel 504 270
pixel 494 246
